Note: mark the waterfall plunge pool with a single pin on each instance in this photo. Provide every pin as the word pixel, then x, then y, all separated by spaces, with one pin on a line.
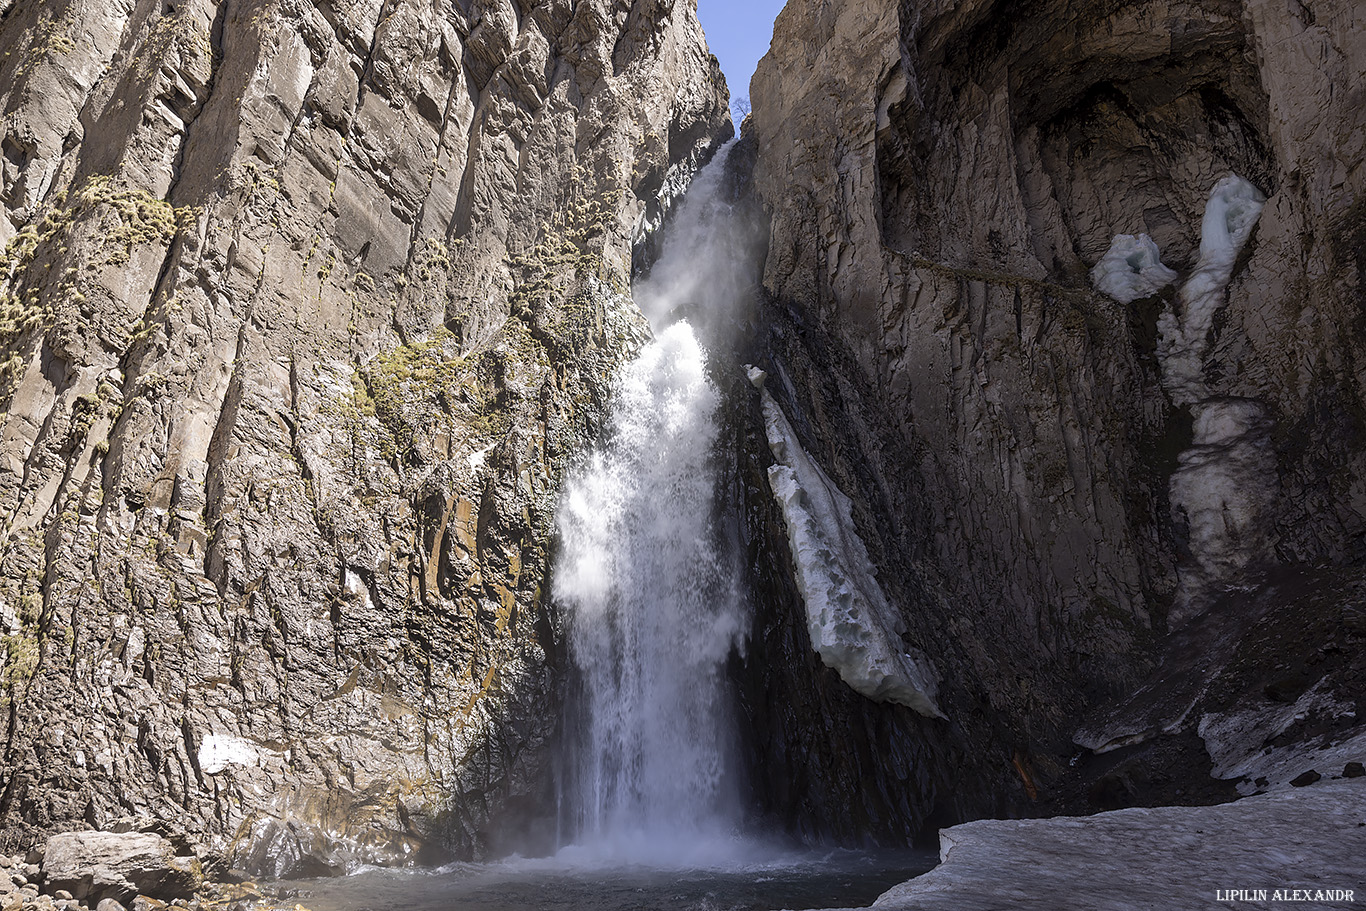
pixel 827 879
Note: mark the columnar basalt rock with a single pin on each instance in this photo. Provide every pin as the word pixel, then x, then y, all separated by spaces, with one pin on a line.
pixel 306 305
pixel 941 179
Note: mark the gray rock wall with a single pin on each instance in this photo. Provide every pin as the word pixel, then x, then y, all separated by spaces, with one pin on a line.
pixel 940 178
pixel 305 307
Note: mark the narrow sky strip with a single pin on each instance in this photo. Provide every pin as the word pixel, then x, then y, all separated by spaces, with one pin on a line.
pixel 739 33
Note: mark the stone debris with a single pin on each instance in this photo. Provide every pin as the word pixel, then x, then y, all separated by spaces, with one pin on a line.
pixel 119 865
pixel 126 872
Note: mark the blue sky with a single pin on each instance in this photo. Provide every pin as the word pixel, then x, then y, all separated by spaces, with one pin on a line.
pixel 739 32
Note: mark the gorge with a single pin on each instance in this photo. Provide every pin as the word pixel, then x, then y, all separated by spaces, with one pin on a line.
pixel 398 468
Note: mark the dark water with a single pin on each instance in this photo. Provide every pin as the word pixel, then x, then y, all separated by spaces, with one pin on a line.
pixel 827 880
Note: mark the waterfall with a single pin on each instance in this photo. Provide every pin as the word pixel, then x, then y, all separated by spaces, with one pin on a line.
pixel 653 604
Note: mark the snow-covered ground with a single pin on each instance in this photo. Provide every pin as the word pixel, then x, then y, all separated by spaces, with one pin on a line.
pixel 1310 839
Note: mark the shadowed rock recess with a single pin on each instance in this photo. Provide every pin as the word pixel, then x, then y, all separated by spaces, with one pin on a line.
pixel 306 304
pixel 941 179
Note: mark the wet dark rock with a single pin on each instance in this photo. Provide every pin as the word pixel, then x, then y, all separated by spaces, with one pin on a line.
pixel 281 850
pixel 936 200
pixel 1305 779
pixel 1353 770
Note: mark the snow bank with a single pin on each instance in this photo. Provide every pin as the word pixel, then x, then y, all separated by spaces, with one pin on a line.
pixel 1233 209
pixel 1301 845
pixel 1246 744
pixel 1223 484
pixel 852 626
pixel 1132 269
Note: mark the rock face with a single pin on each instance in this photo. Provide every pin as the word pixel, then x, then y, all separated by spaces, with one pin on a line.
pixel 305 307
pixel 941 180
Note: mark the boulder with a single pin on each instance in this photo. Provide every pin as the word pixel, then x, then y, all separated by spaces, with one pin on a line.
pixel 93 866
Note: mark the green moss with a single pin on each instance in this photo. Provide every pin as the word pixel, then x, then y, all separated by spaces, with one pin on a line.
pixel 30 608
pixel 21 660
pixel 568 244
pixel 141 218
pixel 401 389
pixel 30 298
pixel 433 260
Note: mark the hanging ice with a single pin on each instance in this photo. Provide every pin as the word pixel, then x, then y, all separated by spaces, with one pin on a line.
pixel 1233 209
pixel 852 626
pixel 1227 478
pixel 1132 269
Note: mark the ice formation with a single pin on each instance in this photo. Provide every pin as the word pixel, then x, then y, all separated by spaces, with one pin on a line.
pixel 852 626
pixel 1132 269
pixel 1221 483
pixel 1233 209
pixel 1226 478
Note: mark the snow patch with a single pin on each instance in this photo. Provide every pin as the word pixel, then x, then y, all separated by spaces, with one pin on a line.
pixel 356 589
pixel 852 626
pixel 1132 269
pixel 1232 211
pixel 1299 845
pixel 1223 485
pixel 1239 742
pixel 478 459
pixel 218 751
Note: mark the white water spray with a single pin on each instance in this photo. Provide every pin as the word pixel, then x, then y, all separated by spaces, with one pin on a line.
pixel 654 611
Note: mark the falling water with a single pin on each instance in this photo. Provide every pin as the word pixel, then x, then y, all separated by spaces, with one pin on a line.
pixel 653 605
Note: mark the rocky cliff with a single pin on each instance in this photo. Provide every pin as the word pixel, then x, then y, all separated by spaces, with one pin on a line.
pixel 1061 527
pixel 306 304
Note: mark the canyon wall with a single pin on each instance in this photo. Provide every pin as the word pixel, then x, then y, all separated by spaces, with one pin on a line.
pixel 940 179
pixel 306 305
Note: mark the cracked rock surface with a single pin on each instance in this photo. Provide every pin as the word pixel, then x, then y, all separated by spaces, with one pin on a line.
pixel 306 305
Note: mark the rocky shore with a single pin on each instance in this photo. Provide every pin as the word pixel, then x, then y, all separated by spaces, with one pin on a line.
pixel 127 871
